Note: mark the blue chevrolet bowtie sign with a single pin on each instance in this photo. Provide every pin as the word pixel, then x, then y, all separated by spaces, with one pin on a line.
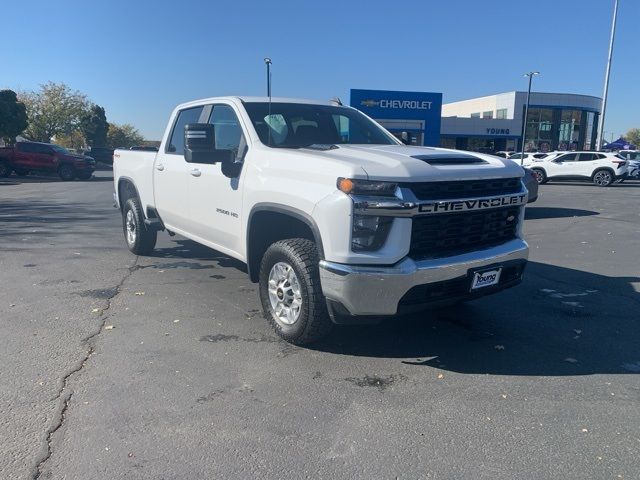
pixel 391 108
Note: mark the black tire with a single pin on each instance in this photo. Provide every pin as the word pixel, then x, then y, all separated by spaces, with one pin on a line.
pixel 143 240
pixel 21 172
pixel 84 176
pixel 313 322
pixel 603 177
pixel 541 176
pixel 67 172
pixel 5 169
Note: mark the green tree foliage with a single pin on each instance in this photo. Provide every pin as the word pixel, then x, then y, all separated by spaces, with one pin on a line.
pixel 633 136
pixel 13 116
pixel 94 126
pixel 123 136
pixel 54 110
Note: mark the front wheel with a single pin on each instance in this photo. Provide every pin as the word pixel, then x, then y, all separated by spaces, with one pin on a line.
pixel 140 239
pixel 603 178
pixel 541 177
pixel 85 176
pixel 21 172
pixel 67 172
pixel 290 291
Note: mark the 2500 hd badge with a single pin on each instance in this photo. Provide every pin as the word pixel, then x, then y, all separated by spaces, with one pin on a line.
pixel 479 204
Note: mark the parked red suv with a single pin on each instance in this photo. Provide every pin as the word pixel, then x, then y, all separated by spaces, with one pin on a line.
pixel 26 157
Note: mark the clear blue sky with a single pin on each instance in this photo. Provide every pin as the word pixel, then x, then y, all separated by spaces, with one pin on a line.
pixel 139 58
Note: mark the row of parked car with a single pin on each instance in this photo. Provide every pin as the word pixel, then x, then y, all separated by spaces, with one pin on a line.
pixel 26 157
pixel 602 168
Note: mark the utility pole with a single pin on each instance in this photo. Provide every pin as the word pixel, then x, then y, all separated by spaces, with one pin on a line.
pixel 606 77
pixel 526 112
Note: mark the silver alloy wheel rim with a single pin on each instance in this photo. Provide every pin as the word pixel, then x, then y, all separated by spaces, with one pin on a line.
pixel 539 176
pixel 130 223
pixel 284 293
pixel 602 178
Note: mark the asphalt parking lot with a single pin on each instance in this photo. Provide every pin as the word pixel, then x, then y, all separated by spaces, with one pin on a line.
pixel 162 367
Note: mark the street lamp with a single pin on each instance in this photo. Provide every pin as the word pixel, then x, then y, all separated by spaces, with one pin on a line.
pixel 606 77
pixel 267 62
pixel 526 112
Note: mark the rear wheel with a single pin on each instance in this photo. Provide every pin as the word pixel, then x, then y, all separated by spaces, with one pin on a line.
pixel 5 169
pixel 541 177
pixel 67 172
pixel 290 291
pixel 140 239
pixel 603 178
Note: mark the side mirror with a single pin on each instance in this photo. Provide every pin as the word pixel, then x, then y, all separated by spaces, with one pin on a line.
pixel 404 138
pixel 200 144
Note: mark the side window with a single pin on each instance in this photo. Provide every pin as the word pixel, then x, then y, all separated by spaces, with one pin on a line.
pixel 176 141
pixel 599 156
pixel 228 130
pixel 587 157
pixel 568 157
pixel 26 147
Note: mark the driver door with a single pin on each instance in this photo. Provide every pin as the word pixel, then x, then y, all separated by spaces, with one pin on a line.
pixel 215 201
pixel 563 165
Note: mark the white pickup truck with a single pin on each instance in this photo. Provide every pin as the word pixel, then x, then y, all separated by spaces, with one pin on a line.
pixel 337 220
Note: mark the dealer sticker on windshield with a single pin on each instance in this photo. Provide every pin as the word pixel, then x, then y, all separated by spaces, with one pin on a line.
pixel 486 279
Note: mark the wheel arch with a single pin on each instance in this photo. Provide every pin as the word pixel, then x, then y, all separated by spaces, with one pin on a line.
pixel 126 190
pixel 270 222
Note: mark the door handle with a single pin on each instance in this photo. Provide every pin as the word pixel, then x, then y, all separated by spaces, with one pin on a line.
pixel 195 172
pixel 160 167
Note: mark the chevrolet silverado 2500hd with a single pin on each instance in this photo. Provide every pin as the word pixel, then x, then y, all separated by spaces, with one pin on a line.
pixel 335 219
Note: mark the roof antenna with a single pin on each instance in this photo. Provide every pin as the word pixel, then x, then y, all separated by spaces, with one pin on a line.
pixel 267 62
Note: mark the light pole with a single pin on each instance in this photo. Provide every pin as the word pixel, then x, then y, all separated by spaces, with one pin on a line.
pixel 526 112
pixel 606 77
pixel 267 62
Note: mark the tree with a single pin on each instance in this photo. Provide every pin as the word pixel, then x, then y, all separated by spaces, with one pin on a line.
pixel 123 136
pixel 633 136
pixel 73 140
pixel 55 110
pixel 13 116
pixel 94 126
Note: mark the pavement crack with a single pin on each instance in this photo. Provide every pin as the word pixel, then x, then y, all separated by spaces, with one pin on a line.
pixel 64 394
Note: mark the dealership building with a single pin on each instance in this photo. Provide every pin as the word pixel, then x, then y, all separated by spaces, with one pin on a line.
pixel 555 121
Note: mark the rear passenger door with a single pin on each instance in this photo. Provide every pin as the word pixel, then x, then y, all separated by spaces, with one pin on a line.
pixel 215 201
pixel 587 163
pixel 170 172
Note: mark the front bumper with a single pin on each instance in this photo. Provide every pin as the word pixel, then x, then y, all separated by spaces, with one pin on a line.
pixel 372 290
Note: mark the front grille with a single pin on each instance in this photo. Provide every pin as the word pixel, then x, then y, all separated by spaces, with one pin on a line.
pixel 464 188
pixel 458 288
pixel 441 235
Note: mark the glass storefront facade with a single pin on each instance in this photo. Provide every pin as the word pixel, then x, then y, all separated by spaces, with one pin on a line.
pixel 551 128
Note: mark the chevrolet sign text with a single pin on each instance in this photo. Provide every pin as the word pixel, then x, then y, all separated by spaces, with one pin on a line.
pixel 447 206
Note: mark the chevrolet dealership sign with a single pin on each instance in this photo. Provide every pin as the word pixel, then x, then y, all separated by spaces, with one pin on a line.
pixel 402 104
pixel 393 107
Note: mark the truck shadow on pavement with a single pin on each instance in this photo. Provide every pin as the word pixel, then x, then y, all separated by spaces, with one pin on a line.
pixel 13 180
pixel 187 249
pixel 558 322
pixel 537 213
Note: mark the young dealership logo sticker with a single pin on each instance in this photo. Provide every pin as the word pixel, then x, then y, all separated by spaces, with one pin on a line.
pixel 497 131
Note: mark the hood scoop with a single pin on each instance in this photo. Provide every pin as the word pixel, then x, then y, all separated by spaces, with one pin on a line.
pixel 449 159
pixel 321 146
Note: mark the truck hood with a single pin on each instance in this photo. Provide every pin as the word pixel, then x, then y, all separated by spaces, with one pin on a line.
pixel 416 164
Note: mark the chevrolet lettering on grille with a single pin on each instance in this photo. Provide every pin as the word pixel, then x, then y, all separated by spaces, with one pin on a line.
pixel 449 206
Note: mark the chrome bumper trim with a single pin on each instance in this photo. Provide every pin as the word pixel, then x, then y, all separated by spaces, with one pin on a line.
pixel 376 290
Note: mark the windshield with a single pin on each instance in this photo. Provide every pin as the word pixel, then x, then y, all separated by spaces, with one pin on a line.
pixel 295 125
pixel 60 149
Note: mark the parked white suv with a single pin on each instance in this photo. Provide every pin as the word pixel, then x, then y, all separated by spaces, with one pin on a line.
pixel 601 168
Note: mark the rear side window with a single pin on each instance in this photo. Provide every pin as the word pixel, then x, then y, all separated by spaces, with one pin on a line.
pixel 587 157
pixel 26 147
pixel 176 141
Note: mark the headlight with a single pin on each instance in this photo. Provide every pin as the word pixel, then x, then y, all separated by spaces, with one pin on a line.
pixel 369 232
pixel 367 187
